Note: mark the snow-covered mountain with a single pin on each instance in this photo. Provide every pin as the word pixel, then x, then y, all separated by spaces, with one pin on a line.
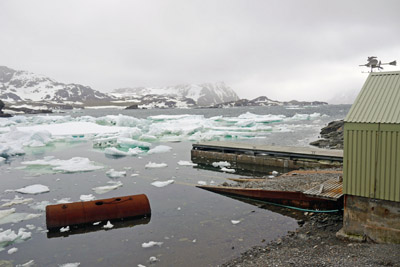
pixel 206 94
pixel 25 86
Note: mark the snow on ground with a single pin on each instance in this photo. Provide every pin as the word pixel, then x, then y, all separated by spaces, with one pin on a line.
pixel 76 164
pixel 162 183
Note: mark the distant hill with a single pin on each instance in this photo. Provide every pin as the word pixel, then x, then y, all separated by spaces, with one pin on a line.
pixel 265 101
pixel 17 85
pixel 206 94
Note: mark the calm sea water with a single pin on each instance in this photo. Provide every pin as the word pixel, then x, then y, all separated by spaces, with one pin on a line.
pixel 194 225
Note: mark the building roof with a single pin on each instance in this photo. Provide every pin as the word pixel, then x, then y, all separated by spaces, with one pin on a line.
pixel 378 101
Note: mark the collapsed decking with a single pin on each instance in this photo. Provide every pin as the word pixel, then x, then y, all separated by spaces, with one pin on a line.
pixel 260 157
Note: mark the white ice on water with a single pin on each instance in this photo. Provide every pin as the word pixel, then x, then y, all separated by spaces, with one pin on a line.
pixel 107 188
pixel 75 164
pixel 108 225
pixel 162 183
pixel 152 165
pixel 87 197
pixel 16 201
pixel 115 174
pixel 127 132
pixel 151 244
pixel 31 189
pixel 9 237
pixel 159 149
pixel 228 170
pixel 186 163
pixel 221 164
pixel 71 264
pixel 202 182
pixel 235 221
pixel 12 251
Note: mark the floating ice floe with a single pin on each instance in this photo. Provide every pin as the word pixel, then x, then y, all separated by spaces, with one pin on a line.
pixel 152 244
pixel 235 221
pixel 201 182
pixel 162 183
pixel 87 197
pixel 31 189
pixel 155 165
pixel 107 188
pixel 153 259
pixel 113 151
pixel 221 164
pixel 186 163
pixel 228 170
pixel 75 164
pixel 115 174
pixel 108 225
pixel 131 143
pixel 64 229
pixel 16 201
pixel 10 216
pixel 12 251
pixel 159 149
pixel 72 264
pixel 26 264
pixel 9 237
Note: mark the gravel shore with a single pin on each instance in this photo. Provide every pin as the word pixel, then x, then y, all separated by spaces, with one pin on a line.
pixel 315 243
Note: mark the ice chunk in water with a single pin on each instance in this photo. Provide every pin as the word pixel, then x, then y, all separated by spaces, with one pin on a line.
pixel 32 189
pixel 75 164
pixel 17 200
pixel 108 225
pixel 235 221
pixel 162 183
pixel 87 197
pixel 227 170
pixel 151 244
pixel 8 237
pixel 221 164
pixel 64 229
pixel 186 163
pixel 115 174
pixel 155 165
pixel 159 149
pixel 12 251
pixel 202 182
pixel 72 264
pixel 106 188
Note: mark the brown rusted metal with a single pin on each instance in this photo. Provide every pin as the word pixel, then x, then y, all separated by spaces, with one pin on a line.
pixel 97 210
pixel 288 198
pixel 331 189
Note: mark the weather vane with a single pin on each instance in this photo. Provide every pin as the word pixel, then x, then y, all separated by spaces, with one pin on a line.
pixel 374 63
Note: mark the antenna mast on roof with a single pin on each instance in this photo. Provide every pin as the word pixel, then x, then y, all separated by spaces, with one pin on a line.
pixel 374 63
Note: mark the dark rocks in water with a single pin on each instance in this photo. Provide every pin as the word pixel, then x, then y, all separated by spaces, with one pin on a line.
pixel 2 114
pixel 134 106
pixel 332 136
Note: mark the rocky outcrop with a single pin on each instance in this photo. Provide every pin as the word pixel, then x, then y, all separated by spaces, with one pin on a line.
pixel 332 136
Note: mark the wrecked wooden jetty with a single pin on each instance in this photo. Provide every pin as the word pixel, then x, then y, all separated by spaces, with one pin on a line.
pixel 261 157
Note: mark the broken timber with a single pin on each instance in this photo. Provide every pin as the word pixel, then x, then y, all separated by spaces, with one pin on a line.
pixel 257 157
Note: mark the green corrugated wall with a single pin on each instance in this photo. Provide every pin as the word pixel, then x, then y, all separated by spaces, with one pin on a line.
pixel 371 166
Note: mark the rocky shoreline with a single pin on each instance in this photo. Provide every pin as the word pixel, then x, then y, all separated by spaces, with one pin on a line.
pixel 332 136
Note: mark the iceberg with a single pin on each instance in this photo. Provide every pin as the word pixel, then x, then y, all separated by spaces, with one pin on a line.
pixel 76 164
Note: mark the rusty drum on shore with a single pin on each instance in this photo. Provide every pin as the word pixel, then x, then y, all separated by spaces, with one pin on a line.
pixel 134 206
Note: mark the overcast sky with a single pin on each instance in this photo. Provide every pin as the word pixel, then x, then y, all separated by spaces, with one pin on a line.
pixel 303 50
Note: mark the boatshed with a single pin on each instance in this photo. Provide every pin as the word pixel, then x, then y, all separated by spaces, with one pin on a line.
pixel 371 161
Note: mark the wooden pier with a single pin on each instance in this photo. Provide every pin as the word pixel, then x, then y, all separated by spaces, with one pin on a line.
pixel 257 157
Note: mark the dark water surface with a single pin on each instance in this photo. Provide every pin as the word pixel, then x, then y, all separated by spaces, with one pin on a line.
pixel 194 225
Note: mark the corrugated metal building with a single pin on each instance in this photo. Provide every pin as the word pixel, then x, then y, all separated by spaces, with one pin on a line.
pixel 371 163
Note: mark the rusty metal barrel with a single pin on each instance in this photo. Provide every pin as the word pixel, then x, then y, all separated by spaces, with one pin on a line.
pixel 60 215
